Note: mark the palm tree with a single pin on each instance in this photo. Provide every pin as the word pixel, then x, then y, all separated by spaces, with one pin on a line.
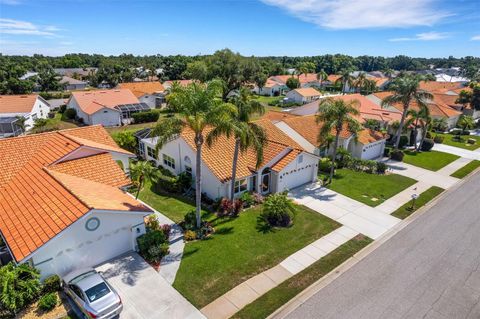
pixel 369 86
pixel 425 124
pixel 346 79
pixel 20 123
pixel 322 76
pixel 198 108
pixel 247 134
pixel 141 172
pixel 360 81
pixel 388 73
pixel 466 122
pixel 336 115
pixel 439 124
pixel 405 91
pixel 415 118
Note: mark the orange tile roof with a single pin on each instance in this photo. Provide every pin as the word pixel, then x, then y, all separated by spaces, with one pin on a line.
pixel 333 78
pixel 17 103
pixel 271 83
pixel 92 101
pixel 434 86
pixel 218 158
pixel 307 92
pixel 142 88
pixel 277 116
pixel 35 206
pixel 310 77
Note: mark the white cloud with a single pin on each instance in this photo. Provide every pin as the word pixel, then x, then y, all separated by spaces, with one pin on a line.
pixel 18 27
pixel 360 14
pixel 427 36
pixel 475 38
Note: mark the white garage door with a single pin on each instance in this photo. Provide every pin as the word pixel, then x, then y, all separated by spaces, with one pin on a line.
pixel 298 178
pixel 372 151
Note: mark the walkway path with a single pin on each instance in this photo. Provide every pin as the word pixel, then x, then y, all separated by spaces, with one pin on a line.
pixel 473 155
pixel 231 302
pixel 454 166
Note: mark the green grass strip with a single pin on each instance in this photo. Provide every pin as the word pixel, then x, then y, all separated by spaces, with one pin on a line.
pixel 467 169
pixel 278 296
pixel 406 210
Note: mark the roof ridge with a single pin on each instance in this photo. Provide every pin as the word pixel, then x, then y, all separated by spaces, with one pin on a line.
pixel 51 173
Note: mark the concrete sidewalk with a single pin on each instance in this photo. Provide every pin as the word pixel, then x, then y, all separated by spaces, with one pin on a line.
pixel 472 155
pixel 454 166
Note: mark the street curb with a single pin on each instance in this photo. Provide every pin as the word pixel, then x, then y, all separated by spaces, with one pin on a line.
pixel 303 296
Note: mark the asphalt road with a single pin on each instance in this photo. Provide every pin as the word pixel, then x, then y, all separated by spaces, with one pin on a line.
pixel 430 269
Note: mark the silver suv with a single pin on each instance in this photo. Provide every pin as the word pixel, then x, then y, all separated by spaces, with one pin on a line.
pixel 92 294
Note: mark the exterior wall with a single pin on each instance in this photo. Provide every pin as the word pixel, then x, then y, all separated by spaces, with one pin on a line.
pixel 270 91
pixel 178 149
pixel 76 247
pixel 296 174
pixel 151 100
pixel 73 104
pixel 297 98
pixel 106 117
pixel 73 87
pixel 40 110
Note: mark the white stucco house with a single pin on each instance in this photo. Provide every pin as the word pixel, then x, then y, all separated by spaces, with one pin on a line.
pixel 272 87
pixel 303 95
pixel 30 107
pixel 63 205
pixel 285 165
pixel 106 107
pixel 150 93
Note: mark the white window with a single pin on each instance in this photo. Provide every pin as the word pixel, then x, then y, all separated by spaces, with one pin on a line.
pixel 150 152
pixel 241 186
pixel 169 161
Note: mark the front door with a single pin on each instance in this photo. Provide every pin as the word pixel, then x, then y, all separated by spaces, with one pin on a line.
pixel 265 183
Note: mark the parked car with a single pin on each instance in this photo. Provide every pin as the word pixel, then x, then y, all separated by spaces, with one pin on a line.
pixel 92 294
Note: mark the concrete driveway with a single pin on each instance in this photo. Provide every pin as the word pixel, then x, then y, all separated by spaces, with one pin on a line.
pixel 145 294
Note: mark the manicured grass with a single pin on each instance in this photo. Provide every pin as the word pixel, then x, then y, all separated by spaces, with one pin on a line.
pixel 132 127
pixel 57 123
pixel 173 206
pixel 467 169
pixel 267 99
pixel 278 296
pixel 448 140
pixel 240 248
pixel 432 160
pixel 365 187
pixel 406 210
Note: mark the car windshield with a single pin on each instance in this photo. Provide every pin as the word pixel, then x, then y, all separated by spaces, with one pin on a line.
pixel 97 292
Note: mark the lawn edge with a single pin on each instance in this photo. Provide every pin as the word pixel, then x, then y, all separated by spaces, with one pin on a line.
pixel 466 176
pixel 303 296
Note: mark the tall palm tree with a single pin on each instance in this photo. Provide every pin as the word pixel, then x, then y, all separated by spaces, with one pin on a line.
pixel 416 118
pixel 405 91
pixel 336 115
pixel 247 134
pixel 141 172
pixel 198 107
pixel 322 76
pixel 360 81
pixel 346 79
pixel 425 124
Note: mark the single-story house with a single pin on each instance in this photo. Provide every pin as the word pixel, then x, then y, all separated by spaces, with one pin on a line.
pixel 277 84
pixel 285 165
pixel 303 95
pixel 271 88
pixel 30 107
pixel 62 204
pixel 71 84
pixel 304 130
pixel 150 93
pixel 106 107
pixel 81 73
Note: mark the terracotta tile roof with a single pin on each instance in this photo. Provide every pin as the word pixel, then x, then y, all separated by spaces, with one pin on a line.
pixel 310 77
pixel 94 133
pixel 285 160
pixel 379 81
pixel 276 116
pixel 98 168
pixel 271 83
pixel 35 206
pixel 307 92
pixel 92 101
pixel 434 86
pixel 218 158
pixel 333 78
pixel 368 136
pixel 17 103
pixel 142 88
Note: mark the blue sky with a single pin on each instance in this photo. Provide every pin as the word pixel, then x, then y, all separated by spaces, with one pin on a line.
pixel 421 28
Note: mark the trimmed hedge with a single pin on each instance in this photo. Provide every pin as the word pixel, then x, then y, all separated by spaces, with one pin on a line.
pixel 145 117
pixel 397 155
pixel 427 144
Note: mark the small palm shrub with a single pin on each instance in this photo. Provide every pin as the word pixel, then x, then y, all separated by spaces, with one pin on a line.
pixel 324 164
pixel 52 284
pixel 381 168
pixel 278 210
pixel 48 302
pixel 427 144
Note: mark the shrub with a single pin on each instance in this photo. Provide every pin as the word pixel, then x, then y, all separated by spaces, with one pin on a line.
pixel 396 155
pixel 189 235
pixel 370 166
pixel 381 167
pixel 427 144
pixel 126 140
pixel 247 199
pixel 70 114
pixel 278 210
pixel 403 141
pixel 428 135
pixel 386 151
pixel 62 108
pixel 48 302
pixel 152 223
pixel 166 228
pixel 230 208
pixel 190 220
pixel 258 198
pixel 471 141
pixel 153 245
pixel 438 139
pixel 19 285
pixel 324 164
pixel 52 284
pixel 145 117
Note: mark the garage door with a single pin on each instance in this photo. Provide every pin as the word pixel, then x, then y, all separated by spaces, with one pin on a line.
pixel 372 151
pixel 298 178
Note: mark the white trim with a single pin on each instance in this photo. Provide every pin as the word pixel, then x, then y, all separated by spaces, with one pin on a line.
pixel 102 150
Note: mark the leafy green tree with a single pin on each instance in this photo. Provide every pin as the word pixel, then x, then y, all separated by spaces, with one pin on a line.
pixel 247 134
pixel 200 110
pixel 466 122
pixel 197 70
pixel 406 91
pixel 293 83
pixel 47 79
pixel 335 115
pixel 141 172
pixel 19 286
pixel 305 68
pixel 126 140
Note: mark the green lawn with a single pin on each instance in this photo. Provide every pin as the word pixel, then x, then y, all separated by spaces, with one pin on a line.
pixel 57 123
pixel 448 140
pixel 278 296
pixel 432 160
pixel 172 206
pixel 267 99
pixel 467 169
pixel 365 187
pixel 132 127
pixel 239 249
pixel 406 210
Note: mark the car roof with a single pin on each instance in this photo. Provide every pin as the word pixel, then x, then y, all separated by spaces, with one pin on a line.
pixel 90 281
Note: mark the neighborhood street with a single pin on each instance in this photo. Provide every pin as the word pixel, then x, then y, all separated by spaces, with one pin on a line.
pixel 430 269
